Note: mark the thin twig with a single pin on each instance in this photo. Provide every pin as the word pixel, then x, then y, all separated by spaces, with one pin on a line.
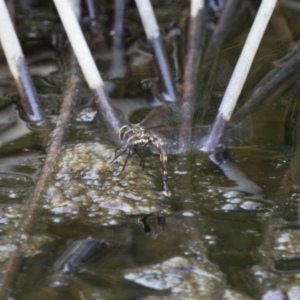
pixel 118 68
pixel 13 265
pixel 240 74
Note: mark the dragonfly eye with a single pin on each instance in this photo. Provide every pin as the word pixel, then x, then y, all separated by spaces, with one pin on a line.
pixel 122 132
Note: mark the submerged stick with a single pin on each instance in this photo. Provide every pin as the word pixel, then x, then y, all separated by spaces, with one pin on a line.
pixel 240 73
pixel 192 62
pixel 111 117
pixel 153 35
pixel 18 68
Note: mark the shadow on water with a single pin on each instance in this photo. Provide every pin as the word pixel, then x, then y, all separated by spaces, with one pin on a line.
pixel 234 221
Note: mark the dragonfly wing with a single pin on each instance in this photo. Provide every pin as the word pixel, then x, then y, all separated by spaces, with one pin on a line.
pixel 239 132
pixel 163 115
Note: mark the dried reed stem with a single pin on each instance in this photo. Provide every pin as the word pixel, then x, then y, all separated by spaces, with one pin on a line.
pixel 118 67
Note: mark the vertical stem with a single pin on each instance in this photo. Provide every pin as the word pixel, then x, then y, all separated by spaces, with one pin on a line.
pixel 153 35
pixel 120 9
pixel 192 62
pixel 56 144
pixel 118 67
pixel 240 74
pixel 17 65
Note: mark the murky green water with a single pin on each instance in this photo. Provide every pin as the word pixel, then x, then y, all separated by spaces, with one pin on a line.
pixel 227 232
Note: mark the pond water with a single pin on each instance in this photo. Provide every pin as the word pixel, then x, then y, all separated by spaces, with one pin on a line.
pixel 229 230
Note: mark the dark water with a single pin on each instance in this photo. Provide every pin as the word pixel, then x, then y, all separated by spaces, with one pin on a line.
pixel 242 216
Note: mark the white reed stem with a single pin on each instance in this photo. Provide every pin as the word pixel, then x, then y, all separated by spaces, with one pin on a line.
pixel 148 18
pixel 196 6
pixel 9 41
pixel 240 74
pixel 78 42
pixel 18 67
pixel 153 35
pixel 244 63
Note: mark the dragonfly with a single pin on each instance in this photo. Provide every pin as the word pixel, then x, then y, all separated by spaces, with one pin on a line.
pixel 160 128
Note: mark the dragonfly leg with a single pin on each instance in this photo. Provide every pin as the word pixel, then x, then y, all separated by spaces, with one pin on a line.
pixel 118 155
pixel 165 187
pixel 130 150
pixel 143 223
pixel 142 163
pixel 161 223
pixel 129 154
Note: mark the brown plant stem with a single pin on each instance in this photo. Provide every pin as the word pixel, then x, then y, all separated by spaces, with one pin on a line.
pixel 118 68
pixel 14 263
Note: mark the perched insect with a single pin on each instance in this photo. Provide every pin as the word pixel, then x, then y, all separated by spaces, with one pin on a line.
pixel 135 136
pixel 159 128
